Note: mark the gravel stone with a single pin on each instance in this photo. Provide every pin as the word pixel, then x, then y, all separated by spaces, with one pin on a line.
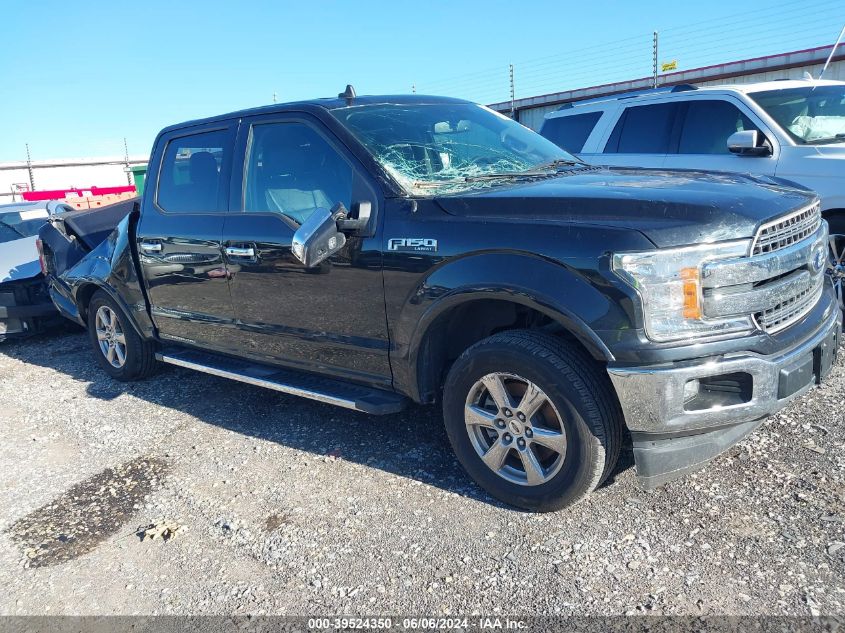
pixel 287 506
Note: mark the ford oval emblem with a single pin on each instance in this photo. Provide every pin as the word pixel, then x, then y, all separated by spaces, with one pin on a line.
pixel 818 260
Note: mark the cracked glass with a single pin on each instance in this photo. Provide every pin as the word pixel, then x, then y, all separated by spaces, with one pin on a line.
pixel 444 147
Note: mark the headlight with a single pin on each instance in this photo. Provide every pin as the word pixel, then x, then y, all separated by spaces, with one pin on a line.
pixel 669 284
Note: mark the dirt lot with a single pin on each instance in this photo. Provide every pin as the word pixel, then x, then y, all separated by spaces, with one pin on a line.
pixel 280 505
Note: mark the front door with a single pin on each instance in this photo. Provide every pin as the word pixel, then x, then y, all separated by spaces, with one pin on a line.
pixel 703 140
pixel 180 233
pixel 329 319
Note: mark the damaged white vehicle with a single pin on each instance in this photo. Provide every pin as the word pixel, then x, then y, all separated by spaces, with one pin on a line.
pixel 25 306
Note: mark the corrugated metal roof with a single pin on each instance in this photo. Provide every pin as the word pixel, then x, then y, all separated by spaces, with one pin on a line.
pixel 715 72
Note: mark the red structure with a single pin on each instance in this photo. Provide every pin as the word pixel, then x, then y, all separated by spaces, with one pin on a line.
pixel 61 194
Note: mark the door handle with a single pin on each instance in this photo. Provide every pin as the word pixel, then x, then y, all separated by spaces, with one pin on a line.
pixel 151 247
pixel 236 251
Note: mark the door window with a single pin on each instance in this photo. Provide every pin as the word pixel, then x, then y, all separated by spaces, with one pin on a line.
pixel 293 170
pixel 643 130
pixel 191 175
pixel 708 124
pixel 570 132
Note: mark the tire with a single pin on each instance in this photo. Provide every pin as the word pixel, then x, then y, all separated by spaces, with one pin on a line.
pixel 836 251
pixel 130 356
pixel 579 405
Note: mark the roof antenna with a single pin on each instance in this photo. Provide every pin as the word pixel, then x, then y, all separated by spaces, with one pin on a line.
pixel 348 94
pixel 832 51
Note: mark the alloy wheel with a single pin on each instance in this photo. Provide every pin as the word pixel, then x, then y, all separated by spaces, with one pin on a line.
pixel 836 265
pixel 110 337
pixel 515 429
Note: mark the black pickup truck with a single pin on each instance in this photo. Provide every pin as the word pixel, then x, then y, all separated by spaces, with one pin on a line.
pixel 369 252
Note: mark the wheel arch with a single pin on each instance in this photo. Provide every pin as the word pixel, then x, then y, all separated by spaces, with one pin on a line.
pixel 838 213
pixel 461 320
pixel 85 293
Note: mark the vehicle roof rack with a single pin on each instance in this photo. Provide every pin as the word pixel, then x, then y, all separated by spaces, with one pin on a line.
pixel 630 95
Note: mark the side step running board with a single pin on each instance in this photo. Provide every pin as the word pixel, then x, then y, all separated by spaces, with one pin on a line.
pixel 336 392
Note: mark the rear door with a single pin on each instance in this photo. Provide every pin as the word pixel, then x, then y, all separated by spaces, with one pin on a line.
pixel 179 236
pixel 571 132
pixel 702 143
pixel 329 319
pixel 642 137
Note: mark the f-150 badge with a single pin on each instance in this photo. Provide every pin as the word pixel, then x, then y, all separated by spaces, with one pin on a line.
pixel 412 244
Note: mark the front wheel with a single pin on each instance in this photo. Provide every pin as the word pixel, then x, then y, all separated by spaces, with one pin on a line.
pixel 532 419
pixel 836 261
pixel 121 352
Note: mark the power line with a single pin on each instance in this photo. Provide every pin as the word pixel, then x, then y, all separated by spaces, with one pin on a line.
pixel 754 16
pixel 723 52
pixel 534 70
pixel 764 30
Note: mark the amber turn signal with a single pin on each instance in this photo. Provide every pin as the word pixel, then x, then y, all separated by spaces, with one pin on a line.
pixel 692 305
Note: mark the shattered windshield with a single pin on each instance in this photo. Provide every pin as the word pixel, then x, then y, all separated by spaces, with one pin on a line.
pixel 811 114
pixel 442 147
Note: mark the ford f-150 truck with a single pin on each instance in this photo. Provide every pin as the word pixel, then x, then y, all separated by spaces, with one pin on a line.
pixel 374 251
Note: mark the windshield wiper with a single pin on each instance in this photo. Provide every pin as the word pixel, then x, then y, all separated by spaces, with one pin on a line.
pixel 540 171
pixel 561 162
pixel 536 171
pixel 496 175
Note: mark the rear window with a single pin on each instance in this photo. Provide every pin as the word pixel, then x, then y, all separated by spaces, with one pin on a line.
pixel 643 130
pixel 570 132
pixel 191 178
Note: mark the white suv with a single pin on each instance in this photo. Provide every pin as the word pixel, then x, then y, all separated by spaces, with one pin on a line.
pixel 792 129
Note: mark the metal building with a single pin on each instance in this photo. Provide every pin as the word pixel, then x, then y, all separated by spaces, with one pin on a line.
pixel 531 110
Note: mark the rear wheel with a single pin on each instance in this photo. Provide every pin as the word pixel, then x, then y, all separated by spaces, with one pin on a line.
pixel 120 351
pixel 532 420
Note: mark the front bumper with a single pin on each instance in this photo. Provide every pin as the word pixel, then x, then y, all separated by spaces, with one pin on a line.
pixel 682 415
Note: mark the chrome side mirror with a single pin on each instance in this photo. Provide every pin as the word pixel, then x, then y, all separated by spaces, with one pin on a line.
pixel 318 238
pixel 746 143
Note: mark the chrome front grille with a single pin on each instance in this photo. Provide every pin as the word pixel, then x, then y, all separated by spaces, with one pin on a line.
pixel 790 309
pixel 780 280
pixel 786 231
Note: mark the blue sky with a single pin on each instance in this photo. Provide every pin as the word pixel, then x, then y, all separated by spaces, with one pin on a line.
pixel 81 76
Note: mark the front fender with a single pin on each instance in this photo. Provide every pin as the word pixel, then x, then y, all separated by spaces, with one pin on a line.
pixel 583 301
pixel 112 267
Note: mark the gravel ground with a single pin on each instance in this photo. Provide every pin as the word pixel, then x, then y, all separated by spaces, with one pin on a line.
pixel 274 504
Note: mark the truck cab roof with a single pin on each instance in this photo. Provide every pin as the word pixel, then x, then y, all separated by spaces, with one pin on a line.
pixel 320 105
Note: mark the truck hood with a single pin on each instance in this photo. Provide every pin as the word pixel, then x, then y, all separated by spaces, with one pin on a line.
pixel 671 208
pixel 19 260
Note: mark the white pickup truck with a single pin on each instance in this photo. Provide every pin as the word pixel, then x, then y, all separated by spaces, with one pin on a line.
pixel 791 129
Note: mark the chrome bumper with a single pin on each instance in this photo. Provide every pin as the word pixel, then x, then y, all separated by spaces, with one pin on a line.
pixel 654 401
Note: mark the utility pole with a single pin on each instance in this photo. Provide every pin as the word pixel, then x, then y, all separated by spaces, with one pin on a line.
pixel 413 88
pixel 126 160
pixel 655 60
pixel 513 94
pixel 274 97
pixel 29 169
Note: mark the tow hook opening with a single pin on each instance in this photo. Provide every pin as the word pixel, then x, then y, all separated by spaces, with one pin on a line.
pixel 724 390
